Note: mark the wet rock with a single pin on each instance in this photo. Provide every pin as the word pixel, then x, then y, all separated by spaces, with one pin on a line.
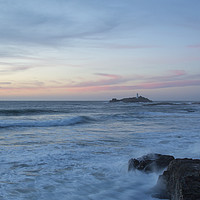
pixel 150 162
pixel 181 181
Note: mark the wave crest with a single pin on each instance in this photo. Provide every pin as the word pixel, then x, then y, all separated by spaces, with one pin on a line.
pixel 46 123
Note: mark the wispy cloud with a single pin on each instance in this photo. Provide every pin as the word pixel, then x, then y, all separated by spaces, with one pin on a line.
pixel 174 78
pixel 178 83
pixel 177 72
pixel 34 83
pixel 107 82
pixel 108 79
pixel 53 23
pixel 126 46
pixel 5 83
pixel 194 46
pixel 168 76
pixel 14 69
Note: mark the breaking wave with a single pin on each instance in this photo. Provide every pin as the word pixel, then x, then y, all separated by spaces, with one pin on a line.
pixel 46 123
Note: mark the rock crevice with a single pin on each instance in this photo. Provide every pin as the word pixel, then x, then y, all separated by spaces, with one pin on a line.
pixel 180 181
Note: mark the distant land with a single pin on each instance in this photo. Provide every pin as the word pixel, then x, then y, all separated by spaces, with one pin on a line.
pixel 131 99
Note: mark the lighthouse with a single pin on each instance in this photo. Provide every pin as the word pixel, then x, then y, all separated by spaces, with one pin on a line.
pixel 137 95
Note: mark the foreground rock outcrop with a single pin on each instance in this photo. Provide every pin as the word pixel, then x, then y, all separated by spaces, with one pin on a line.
pixel 150 162
pixel 181 181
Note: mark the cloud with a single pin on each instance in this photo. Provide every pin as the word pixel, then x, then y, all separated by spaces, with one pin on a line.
pixel 174 78
pixel 158 85
pixel 177 72
pixel 111 76
pixel 8 51
pixel 34 83
pixel 109 82
pixel 14 69
pixel 126 46
pixel 178 83
pixel 169 76
pixel 105 82
pixel 194 46
pixel 108 79
pixel 5 83
pixel 54 22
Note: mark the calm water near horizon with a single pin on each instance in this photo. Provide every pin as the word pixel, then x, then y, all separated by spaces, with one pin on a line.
pixel 80 150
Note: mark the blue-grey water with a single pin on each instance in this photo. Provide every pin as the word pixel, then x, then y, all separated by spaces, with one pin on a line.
pixel 80 150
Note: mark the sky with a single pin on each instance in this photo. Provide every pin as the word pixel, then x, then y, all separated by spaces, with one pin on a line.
pixel 99 49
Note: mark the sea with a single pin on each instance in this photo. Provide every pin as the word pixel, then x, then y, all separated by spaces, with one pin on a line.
pixel 79 150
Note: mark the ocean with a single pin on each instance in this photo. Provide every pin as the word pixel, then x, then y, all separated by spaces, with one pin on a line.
pixel 80 150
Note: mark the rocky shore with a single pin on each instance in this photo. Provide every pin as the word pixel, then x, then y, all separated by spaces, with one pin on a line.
pixel 180 180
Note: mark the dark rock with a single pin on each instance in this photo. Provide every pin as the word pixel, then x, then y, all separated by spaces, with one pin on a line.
pixel 114 100
pixel 150 162
pixel 131 100
pixel 181 181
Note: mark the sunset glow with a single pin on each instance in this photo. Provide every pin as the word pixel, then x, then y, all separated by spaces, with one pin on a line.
pixel 97 50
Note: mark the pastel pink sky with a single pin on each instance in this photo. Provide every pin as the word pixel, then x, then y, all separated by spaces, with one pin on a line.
pixel 98 50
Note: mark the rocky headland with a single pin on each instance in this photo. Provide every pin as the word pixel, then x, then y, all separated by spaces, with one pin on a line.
pixel 180 180
pixel 131 100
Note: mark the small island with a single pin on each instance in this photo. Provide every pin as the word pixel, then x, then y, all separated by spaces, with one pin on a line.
pixel 131 99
